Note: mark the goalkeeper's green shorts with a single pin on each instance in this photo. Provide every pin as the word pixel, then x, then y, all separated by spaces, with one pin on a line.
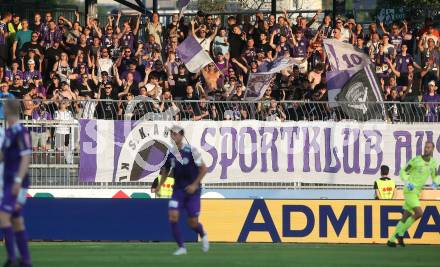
pixel 412 201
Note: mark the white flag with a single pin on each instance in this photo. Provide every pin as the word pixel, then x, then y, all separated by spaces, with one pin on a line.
pixel 343 56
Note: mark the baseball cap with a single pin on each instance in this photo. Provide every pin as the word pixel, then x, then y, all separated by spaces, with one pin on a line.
pixel 31 61
pixel 431 83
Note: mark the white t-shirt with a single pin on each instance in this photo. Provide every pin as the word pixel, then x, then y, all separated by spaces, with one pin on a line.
pixel 105 64
pixel 205 43
pixel 63 116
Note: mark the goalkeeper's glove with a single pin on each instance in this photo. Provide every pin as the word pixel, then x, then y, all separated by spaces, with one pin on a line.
pixel 410 186
pixel 434 185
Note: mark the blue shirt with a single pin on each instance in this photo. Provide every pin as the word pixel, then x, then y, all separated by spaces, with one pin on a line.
pixel 17 144
pixel 184 165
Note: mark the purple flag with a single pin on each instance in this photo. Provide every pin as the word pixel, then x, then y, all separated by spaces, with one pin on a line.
pixel 193 55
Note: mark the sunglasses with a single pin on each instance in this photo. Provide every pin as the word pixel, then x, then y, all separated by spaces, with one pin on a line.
pixel 128 51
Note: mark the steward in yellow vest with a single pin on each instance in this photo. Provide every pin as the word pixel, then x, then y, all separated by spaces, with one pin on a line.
pixel 164 191
pixel 384 187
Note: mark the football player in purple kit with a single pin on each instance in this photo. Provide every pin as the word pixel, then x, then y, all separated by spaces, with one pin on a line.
pixel 16 154
pixel 188 168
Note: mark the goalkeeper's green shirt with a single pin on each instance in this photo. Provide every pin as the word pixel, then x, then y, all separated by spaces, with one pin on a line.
pixel 419 172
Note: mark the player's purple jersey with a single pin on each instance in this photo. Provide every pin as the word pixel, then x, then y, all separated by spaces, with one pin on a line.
pixel 17 143
pixel 184 165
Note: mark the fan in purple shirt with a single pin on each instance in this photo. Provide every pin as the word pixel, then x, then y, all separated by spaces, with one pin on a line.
pixel 432 103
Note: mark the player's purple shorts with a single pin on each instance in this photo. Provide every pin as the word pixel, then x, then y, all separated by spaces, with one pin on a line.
pixel 184 201
pixel 12 204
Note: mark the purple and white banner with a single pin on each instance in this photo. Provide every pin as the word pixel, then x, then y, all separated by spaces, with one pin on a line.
pixel 254 151
pixel 343 56
pixel 257 85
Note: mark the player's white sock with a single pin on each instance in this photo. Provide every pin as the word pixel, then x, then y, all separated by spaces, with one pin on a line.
pixel 180 251
pixel 205 243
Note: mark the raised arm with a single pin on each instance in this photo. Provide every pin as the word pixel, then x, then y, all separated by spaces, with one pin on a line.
pixel 383 28
pixel 118 18
pixel 116 73
pixel 286 17
pixel 241 66
pixel 98 30
pixel 272 36
pixel 193 31
pixel 315 17
pixel 68 22
pixel 392 67
pixel 217 25
pixel 138 22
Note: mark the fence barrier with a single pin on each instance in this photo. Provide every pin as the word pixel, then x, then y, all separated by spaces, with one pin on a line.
pixel 55 159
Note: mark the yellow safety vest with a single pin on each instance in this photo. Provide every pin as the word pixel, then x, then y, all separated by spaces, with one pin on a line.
pixel 166 190
pixel 386 188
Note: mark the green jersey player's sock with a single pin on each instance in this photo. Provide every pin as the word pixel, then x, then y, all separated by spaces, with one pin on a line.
pixel 399 228
pixel 406 225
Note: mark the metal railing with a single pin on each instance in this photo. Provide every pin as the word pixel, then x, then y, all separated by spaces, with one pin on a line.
pixel 55 159
pixel 208 108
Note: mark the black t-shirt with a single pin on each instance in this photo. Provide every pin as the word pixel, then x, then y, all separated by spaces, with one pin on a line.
pixel 76 48
pixel 107 108
pixel 162 75
pixel 18 91
pixel 179 89
pixel 265 47
pixel 51 54
pixel 51 88
pixel 236 45
pixel 30 46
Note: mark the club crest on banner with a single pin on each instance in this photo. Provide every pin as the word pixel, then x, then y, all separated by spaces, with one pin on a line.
pixel 143 153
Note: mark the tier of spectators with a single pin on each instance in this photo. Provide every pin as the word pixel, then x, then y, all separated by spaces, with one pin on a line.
pixel 50 62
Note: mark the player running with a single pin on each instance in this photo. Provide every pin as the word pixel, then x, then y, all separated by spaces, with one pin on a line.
pixel 415 175
pixel 16 153
pixel 189 169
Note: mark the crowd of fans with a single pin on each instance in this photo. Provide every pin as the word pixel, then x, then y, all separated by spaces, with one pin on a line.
pixel 49 62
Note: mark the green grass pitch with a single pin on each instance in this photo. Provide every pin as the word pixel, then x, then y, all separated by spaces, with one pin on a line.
pixel 228 255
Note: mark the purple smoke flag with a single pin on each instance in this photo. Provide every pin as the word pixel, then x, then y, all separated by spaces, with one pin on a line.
pixel 193 55
pixel 182 4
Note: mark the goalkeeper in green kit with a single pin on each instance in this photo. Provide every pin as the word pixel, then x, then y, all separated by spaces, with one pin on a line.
pixel 415 174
